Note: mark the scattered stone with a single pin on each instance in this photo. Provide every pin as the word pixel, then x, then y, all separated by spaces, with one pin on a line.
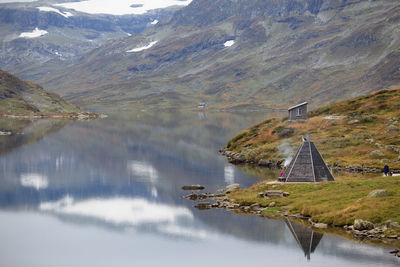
pixel 376 154
pixel 202 196
pixel 5 133
pixel 393 148
pixel 192 196
pixel 275 193
pixel 362 225
pixel 272 204
pixel 231 188
pixel 353 122
pixel 193 187
pixel 377 193
pixel 320 225
pixel 394 225
pixel 261 195
pixel 255 206
pixel 203 206
pixel 286 194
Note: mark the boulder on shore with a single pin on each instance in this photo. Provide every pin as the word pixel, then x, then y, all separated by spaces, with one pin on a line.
pixel 361 225
pixel 231 188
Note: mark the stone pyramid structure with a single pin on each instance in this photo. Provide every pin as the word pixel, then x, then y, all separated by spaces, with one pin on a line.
pixel 307 165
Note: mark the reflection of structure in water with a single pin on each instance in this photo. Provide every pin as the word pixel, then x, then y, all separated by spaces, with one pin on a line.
pixel 307 239
pixel 202 115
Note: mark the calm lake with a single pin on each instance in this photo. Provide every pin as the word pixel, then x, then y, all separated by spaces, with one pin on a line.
pixel 108 193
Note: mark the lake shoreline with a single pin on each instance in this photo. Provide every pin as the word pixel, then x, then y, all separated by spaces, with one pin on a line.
pixel 363 231
pixel 237 159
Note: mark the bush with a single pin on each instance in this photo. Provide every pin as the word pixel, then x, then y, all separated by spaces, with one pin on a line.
pixel 282 131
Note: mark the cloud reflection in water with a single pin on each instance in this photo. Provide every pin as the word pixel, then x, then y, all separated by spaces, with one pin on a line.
pixel 35 180
pixel 143 170
pixel 130 213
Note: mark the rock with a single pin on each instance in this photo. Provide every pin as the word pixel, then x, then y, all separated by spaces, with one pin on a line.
pixel 193 187
pixel 394 251
pixel 5 133
pixel 361 225
pixel 261 195
pixel 272 204
pixel 392 236
pixel 255 206
pixel 192 196
pixel 376 154
pixel 203 205
pixel 377 193
pixel 271 193
pixel 393 148
pixel 271 163
pixel 353 122
pixel 286 194
pixel 394 225
pixel 231 188
pixel 202 196
pixel 246 208
pixel 320 225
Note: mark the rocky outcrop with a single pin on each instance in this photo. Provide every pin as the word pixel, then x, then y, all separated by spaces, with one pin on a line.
pixel 237 158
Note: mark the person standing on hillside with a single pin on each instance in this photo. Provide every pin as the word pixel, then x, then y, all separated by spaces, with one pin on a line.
pixel 386 170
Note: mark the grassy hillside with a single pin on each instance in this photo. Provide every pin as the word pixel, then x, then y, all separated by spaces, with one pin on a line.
pixel 362 131
pixel 20 97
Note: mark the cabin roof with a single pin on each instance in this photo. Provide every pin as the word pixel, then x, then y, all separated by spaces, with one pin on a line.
pixel 299 105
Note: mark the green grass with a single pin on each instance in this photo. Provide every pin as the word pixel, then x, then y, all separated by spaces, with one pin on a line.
pixel 336 203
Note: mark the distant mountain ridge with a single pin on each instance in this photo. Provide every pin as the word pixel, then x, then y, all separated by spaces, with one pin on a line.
pixel 69 33
pixel 280 53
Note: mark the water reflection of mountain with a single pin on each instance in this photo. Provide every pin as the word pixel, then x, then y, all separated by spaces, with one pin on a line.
pixel 26 131
pixel 106 172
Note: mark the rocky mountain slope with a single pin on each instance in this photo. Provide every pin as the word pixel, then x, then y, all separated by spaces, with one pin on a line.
pixel 244 55
pixel 357 134
pixel 42 31
pixel 18 97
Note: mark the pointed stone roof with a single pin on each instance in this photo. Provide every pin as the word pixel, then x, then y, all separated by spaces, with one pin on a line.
pixel 307 166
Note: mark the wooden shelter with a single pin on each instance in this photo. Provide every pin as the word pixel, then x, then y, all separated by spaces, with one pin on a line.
pixel 298 112
pixel 307 165
pixel 306 238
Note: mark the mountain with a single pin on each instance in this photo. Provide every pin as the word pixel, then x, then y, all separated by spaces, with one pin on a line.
pixel 56 32
pixel 243 55
pixel 18 97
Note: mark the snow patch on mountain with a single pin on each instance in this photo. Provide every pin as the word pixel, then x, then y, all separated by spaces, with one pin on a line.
pixel 142 48
pixel 121 7
pixel 33 34
pixel 51 9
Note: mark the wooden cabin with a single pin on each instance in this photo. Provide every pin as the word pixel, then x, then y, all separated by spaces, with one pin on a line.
pixel 298 112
